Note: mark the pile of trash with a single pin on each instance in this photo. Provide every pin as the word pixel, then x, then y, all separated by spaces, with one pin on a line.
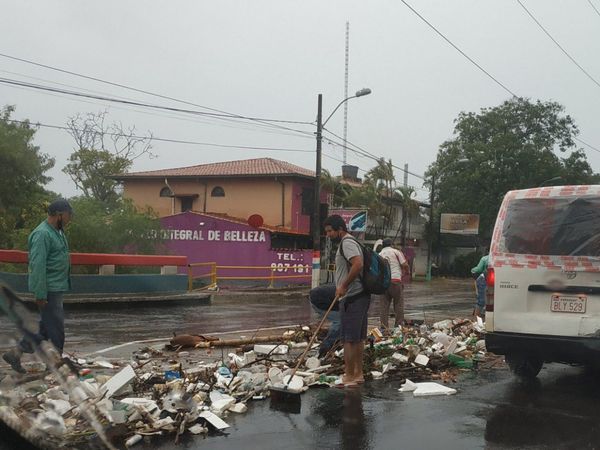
pixel 191 386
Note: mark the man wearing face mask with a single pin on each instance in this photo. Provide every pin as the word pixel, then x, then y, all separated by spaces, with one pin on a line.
pixel 49 278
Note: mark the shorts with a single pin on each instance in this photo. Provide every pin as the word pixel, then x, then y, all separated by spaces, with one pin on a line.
pixel 354 313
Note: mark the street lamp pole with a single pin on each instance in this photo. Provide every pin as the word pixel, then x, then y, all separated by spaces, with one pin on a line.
pixel 316 219
pixel 430 243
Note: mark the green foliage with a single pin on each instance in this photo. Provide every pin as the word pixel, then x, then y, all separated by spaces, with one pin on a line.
pixel 462 265
pixel 102 151
pixel 515 145
pixel 98 228
pixel 22 178
pixel 90 168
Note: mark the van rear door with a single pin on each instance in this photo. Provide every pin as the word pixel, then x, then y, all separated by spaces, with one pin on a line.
pixel 548 269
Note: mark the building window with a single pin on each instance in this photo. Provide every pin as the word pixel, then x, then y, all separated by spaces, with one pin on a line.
pixel 308 201
pixel 217 192
pixel 187 203
pixel 166 192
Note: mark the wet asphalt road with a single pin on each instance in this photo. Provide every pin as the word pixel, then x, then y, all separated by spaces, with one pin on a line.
pixel 491 410
pixel 94 328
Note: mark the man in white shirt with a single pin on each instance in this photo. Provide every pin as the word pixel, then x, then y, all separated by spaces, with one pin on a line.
pixel 397 263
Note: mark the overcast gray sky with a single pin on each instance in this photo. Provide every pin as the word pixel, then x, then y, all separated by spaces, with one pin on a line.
pixel 270 58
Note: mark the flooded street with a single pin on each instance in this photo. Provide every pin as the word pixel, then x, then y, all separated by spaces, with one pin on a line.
pixel 491 410
pixel 92 328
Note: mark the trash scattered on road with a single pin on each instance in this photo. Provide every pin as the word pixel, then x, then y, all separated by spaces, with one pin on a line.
pixel 166 391
pixel 426 389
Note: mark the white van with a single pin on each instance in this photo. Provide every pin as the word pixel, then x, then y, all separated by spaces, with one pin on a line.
pixel 543 298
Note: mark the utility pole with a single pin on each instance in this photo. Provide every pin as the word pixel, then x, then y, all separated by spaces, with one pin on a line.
pixel 316 224
pixel 430 237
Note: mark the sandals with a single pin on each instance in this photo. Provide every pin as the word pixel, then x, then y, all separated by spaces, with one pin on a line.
pixel 346 384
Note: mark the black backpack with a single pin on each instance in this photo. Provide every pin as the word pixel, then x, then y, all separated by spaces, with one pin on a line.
pixel 377 275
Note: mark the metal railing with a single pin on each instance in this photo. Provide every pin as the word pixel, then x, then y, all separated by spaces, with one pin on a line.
pixel 214 277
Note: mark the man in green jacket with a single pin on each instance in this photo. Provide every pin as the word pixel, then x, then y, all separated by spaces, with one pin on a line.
pixel 49 278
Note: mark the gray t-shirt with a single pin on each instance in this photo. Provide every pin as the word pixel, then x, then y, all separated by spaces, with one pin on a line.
pixel 342 265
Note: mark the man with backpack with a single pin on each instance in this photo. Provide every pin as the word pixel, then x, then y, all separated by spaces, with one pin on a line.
pixel 354 300
pixel 394 293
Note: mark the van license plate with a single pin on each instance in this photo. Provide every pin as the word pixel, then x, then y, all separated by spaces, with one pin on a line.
pixel 568 303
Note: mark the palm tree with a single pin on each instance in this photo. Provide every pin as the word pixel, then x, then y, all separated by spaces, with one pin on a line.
pixel 381 178
pixel 404 194
pixel 338 191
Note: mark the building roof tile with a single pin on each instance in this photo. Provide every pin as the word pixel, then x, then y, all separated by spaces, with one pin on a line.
pixel 246 167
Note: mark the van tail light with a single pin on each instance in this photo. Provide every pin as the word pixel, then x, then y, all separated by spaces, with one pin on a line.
pixel 489 293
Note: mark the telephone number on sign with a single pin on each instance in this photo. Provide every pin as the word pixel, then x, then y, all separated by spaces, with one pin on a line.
pixel 287 267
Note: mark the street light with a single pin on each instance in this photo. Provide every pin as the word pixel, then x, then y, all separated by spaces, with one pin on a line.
pixel 316 260
pixel 431 200
pixel 550 180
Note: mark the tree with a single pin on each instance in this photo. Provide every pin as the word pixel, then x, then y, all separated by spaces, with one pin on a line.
pixel 102 150
pixel 410 207
pixel 381 179
pixel 515 145
pixel 22 176
pixel 118 228
pixel 337 190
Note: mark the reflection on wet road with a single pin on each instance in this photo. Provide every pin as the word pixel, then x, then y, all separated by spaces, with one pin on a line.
pixel 491 410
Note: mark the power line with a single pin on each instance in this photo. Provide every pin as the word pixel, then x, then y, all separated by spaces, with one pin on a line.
pixel 13 82
pixel 367 154
pixel 592 5
pixel 491 76
pixel 589 145
pixel 558 45
pixel 176 141
pixel 142 91
pixel 495 80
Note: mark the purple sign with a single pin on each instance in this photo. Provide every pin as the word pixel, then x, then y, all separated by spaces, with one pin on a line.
pixel 207 238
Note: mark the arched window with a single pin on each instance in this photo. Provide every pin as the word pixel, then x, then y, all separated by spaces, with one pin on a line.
pixel 217 192
pixel 166 192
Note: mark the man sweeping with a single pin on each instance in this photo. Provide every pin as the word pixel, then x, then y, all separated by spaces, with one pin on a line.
pixel 354 302
pixel 49 277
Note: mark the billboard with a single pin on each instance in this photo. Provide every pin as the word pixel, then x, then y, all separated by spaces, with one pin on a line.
pixel 356 219
pixel 459 224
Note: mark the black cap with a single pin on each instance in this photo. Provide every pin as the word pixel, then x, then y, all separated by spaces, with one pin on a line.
pixel 58 206
pixel 387 242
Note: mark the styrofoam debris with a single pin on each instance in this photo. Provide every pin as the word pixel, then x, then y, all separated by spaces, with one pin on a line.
pixel 103 363
pixel 400 357
pixel 451 347
pixel 133 440
pixel 214 420
pixel 312 362
pixel 265 349
pixel 443 324
pixel 60 406
pixel 238 408
pixel 120 380
pixel 429 389
pixel 198 429
pixel 275 375
pixel 422 360
pixel 408 386
pixel 118 417
pixel 296 383
pixel 376 374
